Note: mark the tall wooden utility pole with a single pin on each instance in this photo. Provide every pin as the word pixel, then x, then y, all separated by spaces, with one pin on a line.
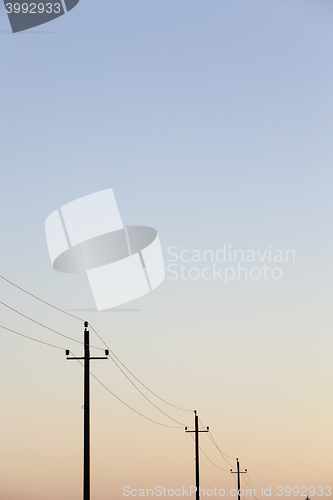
pixel 196 431
pixel 86 453
pixel 238 472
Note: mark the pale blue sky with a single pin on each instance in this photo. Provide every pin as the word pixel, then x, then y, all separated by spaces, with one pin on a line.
pixel 212 121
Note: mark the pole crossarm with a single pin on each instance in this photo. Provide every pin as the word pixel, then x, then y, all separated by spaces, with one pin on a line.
pixel 107 352
pixel 201 430
pixel 100 357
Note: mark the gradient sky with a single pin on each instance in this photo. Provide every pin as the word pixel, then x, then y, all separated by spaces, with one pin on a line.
pixel 212 121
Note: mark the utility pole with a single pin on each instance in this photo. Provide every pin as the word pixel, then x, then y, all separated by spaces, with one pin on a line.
pixel 196 431
pixel 238 472
pixel 86 453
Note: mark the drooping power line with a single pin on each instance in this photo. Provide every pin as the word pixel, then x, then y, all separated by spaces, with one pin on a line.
pixel 126 404
pixel 129 371
pixel 113 354
pixel 105 387
pixel 218 448
pixel 38 298
pixel 31 338
pixel 44 326
pixel 211 461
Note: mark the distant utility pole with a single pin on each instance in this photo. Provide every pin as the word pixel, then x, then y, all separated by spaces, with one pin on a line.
pixel 196 431
pixel 86 459
pixel 238 472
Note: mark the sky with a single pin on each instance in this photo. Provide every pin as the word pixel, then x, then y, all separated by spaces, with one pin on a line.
pixel 212 122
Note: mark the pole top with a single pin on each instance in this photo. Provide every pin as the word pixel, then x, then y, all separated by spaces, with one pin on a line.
pixel 195 412
pixel 86 324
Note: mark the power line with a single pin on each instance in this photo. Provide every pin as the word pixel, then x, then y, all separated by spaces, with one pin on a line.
pixel 76 317
pixel 41 300
pixel 153 404
pixel 79 342
pixel 99 381
pixel 226 470
pixel 44 326
pixel 31 338
pixel 136 387
pixel 129 371
pixel 247 479
pixel 221 468
pixel 126 404
pixel 222 453
pixel 216 445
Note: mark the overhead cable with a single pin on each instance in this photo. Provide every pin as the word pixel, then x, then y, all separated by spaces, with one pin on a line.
pixel 76 317
pixel 41 300
pixel 218 448
pixel 129 371
pixel 31 338
pixel 221 468
pixel 48 328
pixel 126 404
